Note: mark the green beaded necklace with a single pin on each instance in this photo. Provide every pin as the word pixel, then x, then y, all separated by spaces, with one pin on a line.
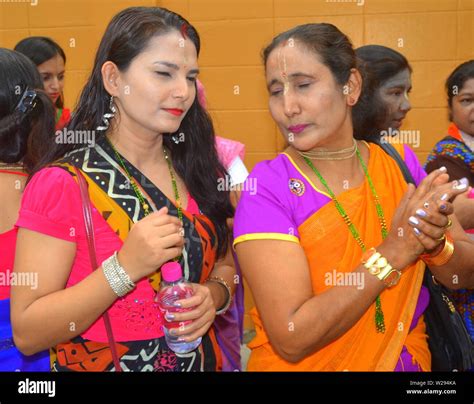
pixel 379 317
pixel 141 198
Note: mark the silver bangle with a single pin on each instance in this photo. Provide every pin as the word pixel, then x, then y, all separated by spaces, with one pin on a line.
pixel 221 281
pixel 117 277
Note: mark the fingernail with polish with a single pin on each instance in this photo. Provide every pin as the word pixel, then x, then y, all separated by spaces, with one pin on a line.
pixel 413 220
pixel 421 213
pixel 443 207
pixel 462 184
pixel 180 339
pixel 169 316
pixel 443 168
pixel 444 197
pixel 176 304
pixel 417 232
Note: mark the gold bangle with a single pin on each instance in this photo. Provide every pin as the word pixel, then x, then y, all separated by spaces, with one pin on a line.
pixel 450 223
pixel 443 256
pixel 378 266
pixel 228 302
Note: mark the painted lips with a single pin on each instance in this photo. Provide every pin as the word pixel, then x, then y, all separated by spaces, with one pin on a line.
pixel 297 128
pixel 174 111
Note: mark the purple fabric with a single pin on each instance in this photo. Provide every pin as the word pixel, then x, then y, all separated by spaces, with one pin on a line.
pixel 273 208
pixel 405 362
pixel 229 328
pixel 414 165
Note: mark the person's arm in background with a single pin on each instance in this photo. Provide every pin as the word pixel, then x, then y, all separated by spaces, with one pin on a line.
pixel 464 209
pixel 457 169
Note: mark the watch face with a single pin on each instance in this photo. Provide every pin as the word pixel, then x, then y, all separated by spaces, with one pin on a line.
pixel 392 278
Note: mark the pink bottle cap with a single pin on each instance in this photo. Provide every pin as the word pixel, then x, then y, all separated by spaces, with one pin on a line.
pixel 171 272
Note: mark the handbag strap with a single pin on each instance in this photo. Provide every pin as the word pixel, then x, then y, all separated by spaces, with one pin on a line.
pixel 392 152
pixel 87 213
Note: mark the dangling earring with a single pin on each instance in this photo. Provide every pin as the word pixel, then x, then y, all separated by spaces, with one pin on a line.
pixel 108 115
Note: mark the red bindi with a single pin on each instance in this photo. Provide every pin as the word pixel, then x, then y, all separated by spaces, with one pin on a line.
pixel 184 30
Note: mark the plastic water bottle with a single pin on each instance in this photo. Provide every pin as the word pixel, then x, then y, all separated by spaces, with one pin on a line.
pixel 174 287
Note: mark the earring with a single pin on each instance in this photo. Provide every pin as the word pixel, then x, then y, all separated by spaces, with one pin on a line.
pixel 175 139
pixel 108 115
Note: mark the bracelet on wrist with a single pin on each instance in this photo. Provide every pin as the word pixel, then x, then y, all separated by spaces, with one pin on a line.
pixel 117 277
pixel 228 302
pixel 378 266
pixel 443 256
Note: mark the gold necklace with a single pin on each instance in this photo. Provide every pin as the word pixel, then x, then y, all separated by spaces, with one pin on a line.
pixel 379 316
pixel 11 166
pixel 330 155
pixel 140 196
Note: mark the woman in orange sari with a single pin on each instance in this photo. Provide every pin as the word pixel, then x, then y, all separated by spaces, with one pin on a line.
pixel 330 242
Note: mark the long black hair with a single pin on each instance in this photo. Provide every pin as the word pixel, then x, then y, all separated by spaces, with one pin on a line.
pixel 40 49
pixel 377 64
pixel 25 135
pixel 195 160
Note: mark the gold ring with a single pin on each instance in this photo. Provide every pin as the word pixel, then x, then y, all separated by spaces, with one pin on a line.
pixel 450 223
pixel 441 238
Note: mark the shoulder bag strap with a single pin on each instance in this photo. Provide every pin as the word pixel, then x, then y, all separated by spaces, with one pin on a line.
pixel 87 213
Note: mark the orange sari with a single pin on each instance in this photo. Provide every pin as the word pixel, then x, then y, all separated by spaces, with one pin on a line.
pixel 329 246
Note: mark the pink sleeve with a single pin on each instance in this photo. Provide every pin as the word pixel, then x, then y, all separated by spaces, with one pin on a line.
pixel 228 150
pixel 51 204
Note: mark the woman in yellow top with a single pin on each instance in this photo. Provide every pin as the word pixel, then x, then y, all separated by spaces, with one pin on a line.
pixel 332 241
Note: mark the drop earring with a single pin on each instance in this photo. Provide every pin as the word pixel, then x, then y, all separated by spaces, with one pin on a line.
pixel 108 115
